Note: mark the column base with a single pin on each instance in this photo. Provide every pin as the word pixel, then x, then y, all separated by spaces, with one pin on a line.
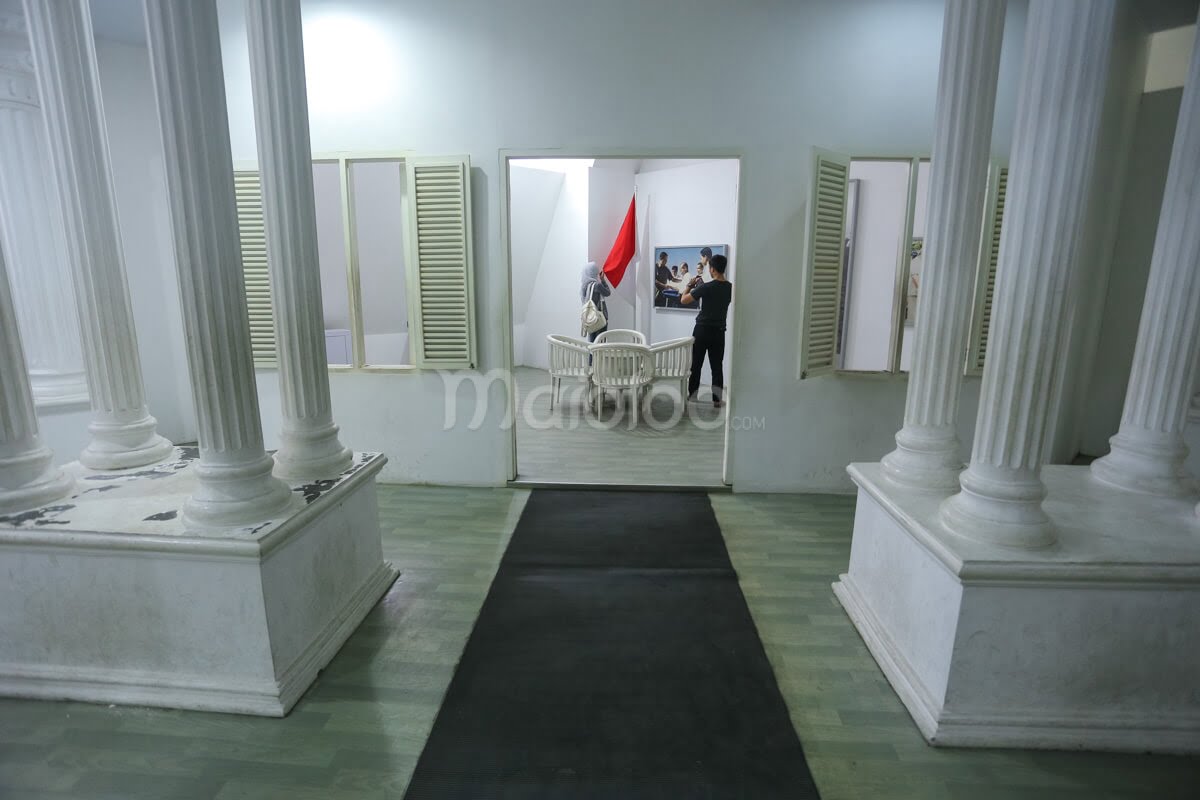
pixel 30 480
pixel 230 496
pixel 1087 645
pixel 314 453
pixel 121 445
pixel 923 461
pixel 1148 467
pixel 112 600
pixel 999 507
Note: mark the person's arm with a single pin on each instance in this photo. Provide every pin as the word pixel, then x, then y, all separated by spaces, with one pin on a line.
pixel 602 286
pixel 692 295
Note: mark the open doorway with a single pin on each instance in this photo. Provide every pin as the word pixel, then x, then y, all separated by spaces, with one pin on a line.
pixel 617 411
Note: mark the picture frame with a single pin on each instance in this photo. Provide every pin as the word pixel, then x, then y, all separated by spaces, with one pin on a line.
pixel 670 280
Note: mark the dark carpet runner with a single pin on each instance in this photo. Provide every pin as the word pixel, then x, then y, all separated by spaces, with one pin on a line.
pixel 614 657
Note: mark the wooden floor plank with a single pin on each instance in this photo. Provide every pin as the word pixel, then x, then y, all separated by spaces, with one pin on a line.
pixel 359 730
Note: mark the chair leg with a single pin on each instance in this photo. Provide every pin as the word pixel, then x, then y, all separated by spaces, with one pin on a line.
pixel 553 391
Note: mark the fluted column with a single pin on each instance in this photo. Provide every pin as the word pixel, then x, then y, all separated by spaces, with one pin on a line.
pixel 309 445
pixel 1068 47
pixel 926 454
pixel 32 226
pixel 123 434
pixel 1148 451
pixel 28 477
pixel 236 485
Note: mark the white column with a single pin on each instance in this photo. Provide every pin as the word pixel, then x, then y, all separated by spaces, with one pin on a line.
pixel 236 485
pixel 309 445
pixel 1067 52
pixel 28 477
pixel 32 227
pixel 926 454
pixel 1148 451
pixel 123 434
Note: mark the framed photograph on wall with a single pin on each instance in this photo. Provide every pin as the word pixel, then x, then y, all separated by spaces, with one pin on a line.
pixel 678 268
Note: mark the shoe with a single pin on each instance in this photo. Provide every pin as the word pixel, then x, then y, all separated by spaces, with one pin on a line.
pixel 717 403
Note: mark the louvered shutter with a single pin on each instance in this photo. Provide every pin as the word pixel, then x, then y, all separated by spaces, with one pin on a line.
pixel 986 282
pixel 824 265
pixel 248 191
pixel 440 270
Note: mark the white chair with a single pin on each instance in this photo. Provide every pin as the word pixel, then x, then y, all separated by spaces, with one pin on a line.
pixel 673 361
pixel 569 358
pixel 621 367
pixel 621 336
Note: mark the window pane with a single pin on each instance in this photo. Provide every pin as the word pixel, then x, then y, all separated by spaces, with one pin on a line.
pixel 874 256
pixel 916 263
pixel 379 198
pixel 331 252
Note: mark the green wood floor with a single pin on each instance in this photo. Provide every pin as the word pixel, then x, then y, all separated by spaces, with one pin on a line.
pixel 359 731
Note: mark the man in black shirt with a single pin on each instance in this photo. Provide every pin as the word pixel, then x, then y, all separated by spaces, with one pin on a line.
pixel 662 281
pixel 709 333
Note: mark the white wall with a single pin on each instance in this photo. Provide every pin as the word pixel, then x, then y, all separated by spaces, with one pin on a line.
pixel 472 77
pixel 136 152
pixel 1167 61
pixel 610 188
pixel 378 197
pixel 879 237
pixel 533 197
pixel 554 300
pixel 331 245
pixel 695 204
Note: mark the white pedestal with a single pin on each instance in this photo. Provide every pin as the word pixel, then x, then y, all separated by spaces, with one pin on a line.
pixel 108 598
pixel 1092 643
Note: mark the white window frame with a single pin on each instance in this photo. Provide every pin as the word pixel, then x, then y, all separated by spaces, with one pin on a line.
pixel 903 268
pixel 405 158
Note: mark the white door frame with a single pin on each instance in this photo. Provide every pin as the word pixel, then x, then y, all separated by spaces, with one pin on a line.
pixel 600 153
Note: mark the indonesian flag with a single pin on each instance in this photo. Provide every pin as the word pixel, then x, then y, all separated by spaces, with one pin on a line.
pixel 623 248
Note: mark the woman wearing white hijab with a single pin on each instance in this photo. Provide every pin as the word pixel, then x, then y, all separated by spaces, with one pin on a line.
pixel 594 287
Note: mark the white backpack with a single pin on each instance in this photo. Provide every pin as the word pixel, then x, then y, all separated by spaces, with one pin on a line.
pixel 591 319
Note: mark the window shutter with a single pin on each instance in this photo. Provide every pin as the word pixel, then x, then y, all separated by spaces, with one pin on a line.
pixel 248 192
pixel 440 270
pixel 824 264
pixel 986 282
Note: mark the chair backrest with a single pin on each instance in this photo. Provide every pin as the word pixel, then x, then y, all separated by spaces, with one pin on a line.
pixel 621 336
pixel 569 357
pixel 673 358
pixel 620 366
